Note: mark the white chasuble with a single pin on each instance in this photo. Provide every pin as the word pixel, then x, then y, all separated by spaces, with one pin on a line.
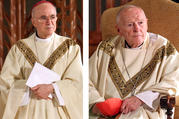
pixel 119 72
pixel 61 55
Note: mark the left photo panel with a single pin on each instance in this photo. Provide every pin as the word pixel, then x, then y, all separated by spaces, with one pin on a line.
pixel 41 46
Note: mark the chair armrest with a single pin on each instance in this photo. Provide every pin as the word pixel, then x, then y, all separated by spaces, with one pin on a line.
pixel 168 102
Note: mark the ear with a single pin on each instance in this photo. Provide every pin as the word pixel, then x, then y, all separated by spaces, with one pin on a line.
pixel 118 30
pixel 33 22
pixel 147 23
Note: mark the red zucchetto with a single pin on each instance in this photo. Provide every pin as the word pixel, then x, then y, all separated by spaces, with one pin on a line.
pixel 41 2
pixel 110 107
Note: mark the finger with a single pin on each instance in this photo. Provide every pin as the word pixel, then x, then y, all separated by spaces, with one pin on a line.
pixel 122 108
pixel 124 111
pixel 46 98
pixel 123 105
pixel 35 87
pixel 39 98
pixel 129 109
pixel 49 98
pixel 34 91
pixel 36 94
pixel 95 110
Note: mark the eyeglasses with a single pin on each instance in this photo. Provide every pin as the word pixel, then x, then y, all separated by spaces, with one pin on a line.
pixel 45 18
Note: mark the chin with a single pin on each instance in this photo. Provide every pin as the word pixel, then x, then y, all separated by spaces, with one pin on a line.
pixel 50 32
pixel 140 39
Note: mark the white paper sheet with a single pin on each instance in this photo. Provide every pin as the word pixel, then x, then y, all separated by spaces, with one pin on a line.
pixel 148 97
pixel 42 75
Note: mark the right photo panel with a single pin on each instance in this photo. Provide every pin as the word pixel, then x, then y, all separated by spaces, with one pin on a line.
pixel 133 59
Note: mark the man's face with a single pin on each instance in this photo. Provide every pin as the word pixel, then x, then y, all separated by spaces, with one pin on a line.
pixel 44 20
pixel 132 25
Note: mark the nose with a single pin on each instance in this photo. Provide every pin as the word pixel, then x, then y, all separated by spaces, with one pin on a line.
pixel 48 20
pixel 136 27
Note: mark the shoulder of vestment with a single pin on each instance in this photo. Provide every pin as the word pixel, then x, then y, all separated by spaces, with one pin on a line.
pixel 108 44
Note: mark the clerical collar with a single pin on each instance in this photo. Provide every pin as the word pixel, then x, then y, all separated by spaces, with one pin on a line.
pixel 128 46
pixel 43 40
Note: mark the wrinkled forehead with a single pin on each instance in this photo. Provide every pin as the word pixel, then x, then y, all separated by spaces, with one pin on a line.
pixel 133 13
pixel 44 9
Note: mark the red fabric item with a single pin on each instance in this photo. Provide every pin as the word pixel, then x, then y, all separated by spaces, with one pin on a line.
pixel 110 107
pixel 40 2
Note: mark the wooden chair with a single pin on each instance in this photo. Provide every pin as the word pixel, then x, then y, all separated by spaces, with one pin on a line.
pixel 95 19
pixel 163 19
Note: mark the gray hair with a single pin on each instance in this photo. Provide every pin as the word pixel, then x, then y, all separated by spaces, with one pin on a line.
pixel 33 10
pixel 124 8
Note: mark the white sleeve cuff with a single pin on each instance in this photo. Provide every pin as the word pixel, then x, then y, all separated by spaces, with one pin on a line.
pixel 58 95
pixel 148 97
pixel 26 97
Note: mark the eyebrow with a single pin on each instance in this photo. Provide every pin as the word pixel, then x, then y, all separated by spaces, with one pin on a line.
pixel 47 16
pixel 137 20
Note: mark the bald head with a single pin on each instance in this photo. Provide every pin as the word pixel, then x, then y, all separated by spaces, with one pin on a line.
pixel 44 17
pixel 37 5
pixel 132 25
pixel 125 8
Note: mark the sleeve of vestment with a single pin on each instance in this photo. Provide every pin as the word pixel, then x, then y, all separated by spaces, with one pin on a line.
pixel 12 84
pixel 94 95
pixel 70 85
pixel 169 78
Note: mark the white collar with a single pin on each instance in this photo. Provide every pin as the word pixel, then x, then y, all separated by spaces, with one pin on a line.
pixel 141 46
pixel 43 40
pixel 134 48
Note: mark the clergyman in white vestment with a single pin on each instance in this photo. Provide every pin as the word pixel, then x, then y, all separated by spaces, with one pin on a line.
pixel 136 66
pixel 59 54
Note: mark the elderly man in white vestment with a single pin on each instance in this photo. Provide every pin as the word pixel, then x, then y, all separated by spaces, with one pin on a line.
pixel 136 66
pixel 59 54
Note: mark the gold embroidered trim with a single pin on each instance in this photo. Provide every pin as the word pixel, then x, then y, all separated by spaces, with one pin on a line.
pixel 123 87
pixel 66 112
pixel 50 62
pixel 27 52
pixel 117 77
pixel 107 46
pixel 58 53
pixel 170 49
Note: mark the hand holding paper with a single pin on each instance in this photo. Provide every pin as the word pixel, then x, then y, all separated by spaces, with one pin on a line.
pixel 40 81
pixel 42 91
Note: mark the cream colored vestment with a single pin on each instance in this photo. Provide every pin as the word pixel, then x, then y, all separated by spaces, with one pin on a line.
pixel 154 67
pixel 62 55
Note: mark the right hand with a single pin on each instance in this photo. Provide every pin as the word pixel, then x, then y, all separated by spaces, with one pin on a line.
pixel 95 110
pixel 130 104
pixel 42 91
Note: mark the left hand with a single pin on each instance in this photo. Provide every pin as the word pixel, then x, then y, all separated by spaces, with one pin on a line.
pixel 42 90
pixel 130 104
pixel 95 110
